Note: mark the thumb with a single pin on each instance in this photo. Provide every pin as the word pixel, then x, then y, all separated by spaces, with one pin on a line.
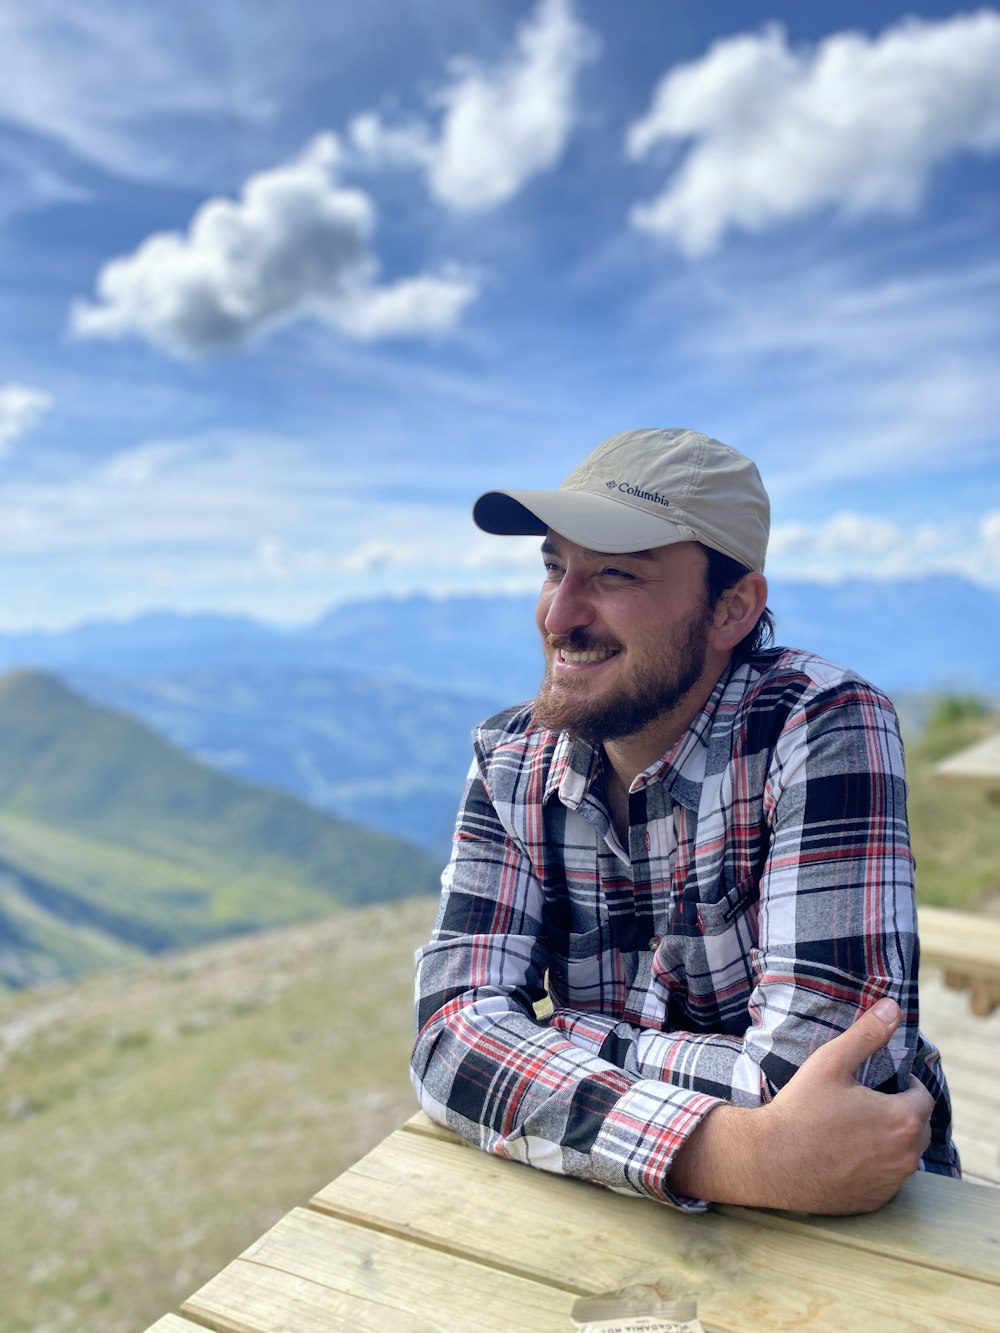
pixel 865 1035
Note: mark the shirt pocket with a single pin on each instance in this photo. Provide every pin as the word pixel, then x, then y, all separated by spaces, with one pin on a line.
pixel 704 972
pixel 579 964
pixel 743 899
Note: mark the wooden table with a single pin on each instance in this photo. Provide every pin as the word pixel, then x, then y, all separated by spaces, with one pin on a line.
pixel 426 1235
pixel 967 949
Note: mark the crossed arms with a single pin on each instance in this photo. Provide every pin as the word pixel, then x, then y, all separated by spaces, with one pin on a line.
pixel 771 1116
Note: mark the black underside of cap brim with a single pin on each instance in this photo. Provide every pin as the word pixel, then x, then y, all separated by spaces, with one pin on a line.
pixel 505 516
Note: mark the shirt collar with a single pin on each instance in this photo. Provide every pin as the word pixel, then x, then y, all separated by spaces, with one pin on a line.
pixel 574 766
pixel 682 768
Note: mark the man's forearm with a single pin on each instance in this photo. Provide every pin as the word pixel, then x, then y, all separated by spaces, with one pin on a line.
pixel 826 1144
pixel 514 1086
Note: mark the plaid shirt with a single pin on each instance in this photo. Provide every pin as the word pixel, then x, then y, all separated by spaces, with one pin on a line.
pixel 765 898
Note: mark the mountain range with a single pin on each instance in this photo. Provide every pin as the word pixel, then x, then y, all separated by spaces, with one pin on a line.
pixel 366 713
pixel 114 844
pixel 939 632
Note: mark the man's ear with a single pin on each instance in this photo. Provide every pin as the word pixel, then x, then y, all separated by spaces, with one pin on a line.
pixel 738 610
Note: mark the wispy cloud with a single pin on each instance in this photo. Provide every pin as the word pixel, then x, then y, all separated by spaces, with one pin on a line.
pixel 99 79
pixel 854 123
pixel 500 125
pixel 27 181
pixel 263 525
pixel 268 526
pixel 449 551
pixel 296 244
pixel 871 546
pixel 21 408
pixel 845 545
pixel 876 368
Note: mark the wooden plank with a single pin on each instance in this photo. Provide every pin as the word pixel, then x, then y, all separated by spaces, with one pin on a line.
pixel 970 1052
pixel 430 1129
pixel 173 1323
pixel 984 996
pixel 960 943
pixel 316 1274
pixel 538 1225
pixel 938 1221
pixel 934 1221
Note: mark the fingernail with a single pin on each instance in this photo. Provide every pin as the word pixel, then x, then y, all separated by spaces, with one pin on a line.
pixel 886 1009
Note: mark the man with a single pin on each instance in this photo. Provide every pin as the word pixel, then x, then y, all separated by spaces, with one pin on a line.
pixel 697 846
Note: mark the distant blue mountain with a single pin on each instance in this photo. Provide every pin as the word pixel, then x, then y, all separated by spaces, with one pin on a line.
pixel 160 640
pixel 934 633
pixel 367 712
pixel 938 632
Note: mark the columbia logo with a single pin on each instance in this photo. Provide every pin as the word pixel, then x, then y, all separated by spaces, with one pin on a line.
pixel 611 485
pixel 639 494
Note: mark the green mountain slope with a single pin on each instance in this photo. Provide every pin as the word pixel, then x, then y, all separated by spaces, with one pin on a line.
pixel 155 1120
pixel 114 844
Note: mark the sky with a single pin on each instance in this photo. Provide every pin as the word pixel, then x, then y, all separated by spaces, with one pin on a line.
pixel 284 288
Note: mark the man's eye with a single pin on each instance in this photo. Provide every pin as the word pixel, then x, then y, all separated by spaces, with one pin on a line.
pixel 611 571
pixel 552 570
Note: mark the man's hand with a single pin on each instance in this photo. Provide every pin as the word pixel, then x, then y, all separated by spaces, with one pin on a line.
pixel 826 1144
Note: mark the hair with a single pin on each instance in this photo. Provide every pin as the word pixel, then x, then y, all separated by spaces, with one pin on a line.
pixel 722 573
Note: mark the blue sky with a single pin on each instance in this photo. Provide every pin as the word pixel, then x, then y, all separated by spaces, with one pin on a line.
pixel 283 288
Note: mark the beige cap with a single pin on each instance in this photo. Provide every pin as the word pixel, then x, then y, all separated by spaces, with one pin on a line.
pixel 642 489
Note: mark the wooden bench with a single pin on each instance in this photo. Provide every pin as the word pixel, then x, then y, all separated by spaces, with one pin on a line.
pixel 967 950
pixel 425 1235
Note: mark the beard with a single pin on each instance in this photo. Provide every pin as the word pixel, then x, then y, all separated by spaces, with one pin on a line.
pixel 654 688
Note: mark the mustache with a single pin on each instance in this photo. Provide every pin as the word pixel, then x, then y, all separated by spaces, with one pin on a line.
pixel 580 640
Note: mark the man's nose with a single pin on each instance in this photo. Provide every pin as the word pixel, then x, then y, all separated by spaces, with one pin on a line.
pixel 568 606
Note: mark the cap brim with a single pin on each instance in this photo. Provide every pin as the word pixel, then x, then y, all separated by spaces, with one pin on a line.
pixel 597 522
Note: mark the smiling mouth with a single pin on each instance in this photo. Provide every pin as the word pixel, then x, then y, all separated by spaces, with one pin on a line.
pixel 592 655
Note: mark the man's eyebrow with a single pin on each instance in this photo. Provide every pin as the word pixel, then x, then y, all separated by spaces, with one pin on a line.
pixel 549 548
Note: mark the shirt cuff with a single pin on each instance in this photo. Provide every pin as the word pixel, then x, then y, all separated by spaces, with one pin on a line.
pixel 641 1136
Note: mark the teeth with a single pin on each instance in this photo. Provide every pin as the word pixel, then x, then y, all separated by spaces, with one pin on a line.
pixel 595 655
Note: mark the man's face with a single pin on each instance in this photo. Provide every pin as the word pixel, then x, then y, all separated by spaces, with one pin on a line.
pixel 626 637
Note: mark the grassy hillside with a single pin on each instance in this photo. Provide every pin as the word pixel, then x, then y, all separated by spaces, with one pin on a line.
pixel 114 844
pixel 155 1120
pixel 954 823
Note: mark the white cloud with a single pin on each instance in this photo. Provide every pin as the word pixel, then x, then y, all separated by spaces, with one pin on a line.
pixel 21 408
pixel 147 462
pixel 278 560
pixel 295 244
pixel 855 123
pixel 872 546
pixel 444 550
pixel 499 125
pixel 180 495
pixel 428 304
pixel 416 554
pixel 269 526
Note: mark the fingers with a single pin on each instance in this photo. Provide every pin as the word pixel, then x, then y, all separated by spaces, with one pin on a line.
pixel 923 1102
pixel 925 1138
pixel 920 1105
pixel 864 1037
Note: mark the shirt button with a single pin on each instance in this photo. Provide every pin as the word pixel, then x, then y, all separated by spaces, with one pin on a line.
pixel 654 943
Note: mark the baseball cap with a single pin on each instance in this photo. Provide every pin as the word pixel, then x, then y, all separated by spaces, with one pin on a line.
pixel 642 489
